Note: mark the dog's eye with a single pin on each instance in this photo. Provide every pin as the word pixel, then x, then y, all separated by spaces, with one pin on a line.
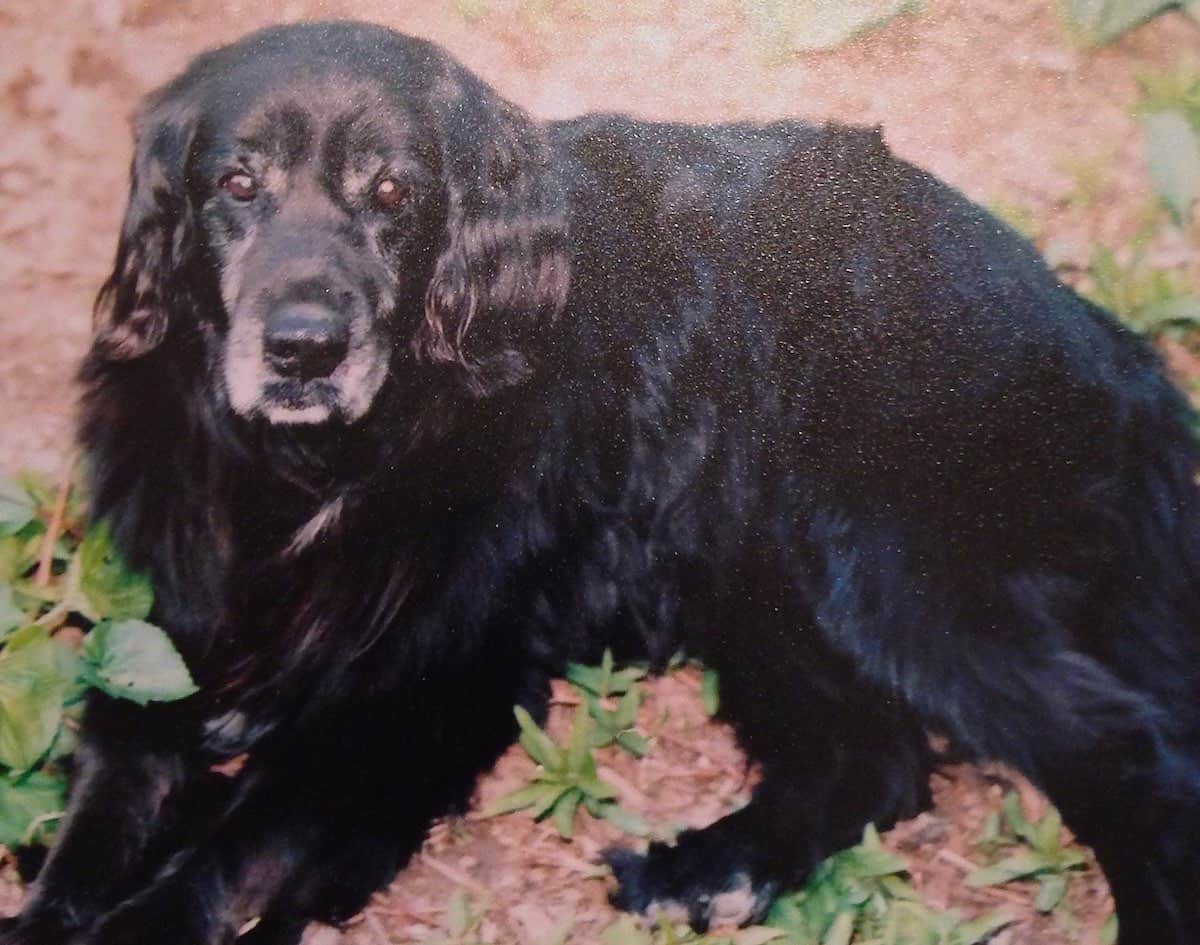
pixel 239 186
pixel 390 194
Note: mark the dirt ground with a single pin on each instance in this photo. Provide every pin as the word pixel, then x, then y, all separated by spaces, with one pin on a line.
pixel 990 94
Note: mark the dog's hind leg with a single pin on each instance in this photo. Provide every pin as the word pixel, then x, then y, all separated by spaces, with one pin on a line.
pixel 1105 755
pixel 990 661
pixel 834 753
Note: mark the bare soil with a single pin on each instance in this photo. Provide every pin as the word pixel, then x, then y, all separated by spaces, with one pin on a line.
pixel 991 95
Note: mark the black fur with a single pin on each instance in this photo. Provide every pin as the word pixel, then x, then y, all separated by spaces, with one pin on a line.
pixel 764 392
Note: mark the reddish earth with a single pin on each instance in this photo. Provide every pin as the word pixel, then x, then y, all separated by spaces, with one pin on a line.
pixel 991 95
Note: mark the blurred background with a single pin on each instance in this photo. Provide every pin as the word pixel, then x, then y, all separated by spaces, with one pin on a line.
pixel 1079 123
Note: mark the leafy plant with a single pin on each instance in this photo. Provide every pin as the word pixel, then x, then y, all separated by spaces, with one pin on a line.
pixel 862 894
pixel 615 726
pixel 1096 22
pixel 604 680
pixel 566 780
pixel 462 924
pixel 1091 180
pixel 59 578
pixel 1170 116
pixel 1043 859
pixel 1149 300
pixel 598 685
pixel 791 26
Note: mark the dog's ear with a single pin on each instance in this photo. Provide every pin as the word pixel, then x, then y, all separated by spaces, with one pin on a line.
pixel 502 267
pixel 157 236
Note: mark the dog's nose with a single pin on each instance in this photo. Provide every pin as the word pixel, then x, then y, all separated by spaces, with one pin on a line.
pixel 305 340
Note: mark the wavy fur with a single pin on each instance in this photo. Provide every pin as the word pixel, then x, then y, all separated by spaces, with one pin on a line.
pixel 763 392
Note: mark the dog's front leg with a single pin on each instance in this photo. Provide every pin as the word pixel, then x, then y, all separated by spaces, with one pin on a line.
pixel 126 771
pixel 295 845
pixel 320 822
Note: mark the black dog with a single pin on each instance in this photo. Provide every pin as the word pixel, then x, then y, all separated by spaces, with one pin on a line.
pixel 404 399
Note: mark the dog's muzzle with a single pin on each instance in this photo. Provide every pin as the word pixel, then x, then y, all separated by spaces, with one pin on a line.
pixel 305 341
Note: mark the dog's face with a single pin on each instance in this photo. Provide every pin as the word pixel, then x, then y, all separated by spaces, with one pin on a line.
pixel 329 206
pixel 320 208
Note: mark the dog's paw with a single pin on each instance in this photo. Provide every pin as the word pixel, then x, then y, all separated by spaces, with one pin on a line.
pixel 689 883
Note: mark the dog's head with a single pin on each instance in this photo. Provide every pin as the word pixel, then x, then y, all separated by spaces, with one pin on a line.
pixel 324 206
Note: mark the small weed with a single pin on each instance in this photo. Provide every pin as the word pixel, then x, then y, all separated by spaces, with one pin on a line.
pixel 615 726
pixel 787 27
pixel 598 685
pixel 566 780
pixel 72 617
pixel 1170 117
pixel 1091 179
pixel 604 680
pixel 462 925
pixel 1149 300
pixel 1043 857
pixel 1096 22
pixel 710 691
pixel 863 895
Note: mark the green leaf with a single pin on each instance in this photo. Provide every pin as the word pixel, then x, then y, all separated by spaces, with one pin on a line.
pixel 1173 156
pixel 602 680
pixel 1017 821
pixel 32 690
pixel 17 507
pixel 634 743
pixel 564 813
pixel 1048 832
pixel 626 931
pixel 757 935
pixel 545 804
pixel 897 887
pixel 790 27
pixel 627 709
pixel 710 697
pixel 23 801
pixel 841 931
pixel 537 744
pixel 1051 889
pixel 135 660
pixel 594 787
pixel 522 798
pixel 587 678
pixel 11 616
pixel 622 819
pixel 1018 866
pixel 980 929
pixel 578 747
pixel 458 914
pixel 108 590
pixel 1181 310
pixel 1096 22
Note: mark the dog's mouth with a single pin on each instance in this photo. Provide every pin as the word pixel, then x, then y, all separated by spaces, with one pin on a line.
pixel 277 387
pixel 291 400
